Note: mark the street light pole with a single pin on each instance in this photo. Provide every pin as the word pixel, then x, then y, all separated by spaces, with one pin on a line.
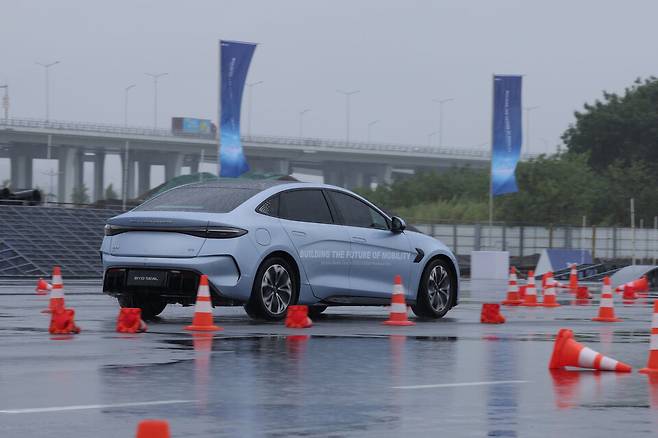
pixel 155 77
pixel 125 103
pixel 5 101
pixel 429 137
pixel 47 70
pixel 441 102
pixel 370 125
pixel 347 95
pixel 527 126
pixel 250 96
pixel 301 121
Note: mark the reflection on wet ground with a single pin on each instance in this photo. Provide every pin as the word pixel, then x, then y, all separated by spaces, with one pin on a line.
pixel 348 375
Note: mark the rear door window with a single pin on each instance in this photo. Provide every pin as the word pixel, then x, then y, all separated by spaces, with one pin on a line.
pixel 306 205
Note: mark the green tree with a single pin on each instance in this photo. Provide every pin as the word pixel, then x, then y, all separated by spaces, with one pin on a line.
pixel 552 189
pixel 80 195
pixel 110 193
pixel 618 127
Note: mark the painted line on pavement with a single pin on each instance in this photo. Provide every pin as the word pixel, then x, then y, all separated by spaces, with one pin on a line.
pixel 85 407
pixel 456 385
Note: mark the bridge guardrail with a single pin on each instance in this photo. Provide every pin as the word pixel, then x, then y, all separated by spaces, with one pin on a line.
pixel 319 143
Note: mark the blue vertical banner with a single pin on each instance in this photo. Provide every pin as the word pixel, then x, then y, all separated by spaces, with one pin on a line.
pixel 507 136
pixel 234 60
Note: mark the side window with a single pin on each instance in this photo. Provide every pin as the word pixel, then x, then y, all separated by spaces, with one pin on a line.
pixel 270 206
pixel 305 206
pixel 356 213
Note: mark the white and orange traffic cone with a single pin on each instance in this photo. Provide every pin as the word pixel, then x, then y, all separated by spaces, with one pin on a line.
pixel 549 293
pixel 42 287
pixel 512 290
pixel 398 313
pixel 56 293
pixel 530 299
pixel 569 353
pixel 573 279
pixel 606 305
pixel 202 309
pixel 652 364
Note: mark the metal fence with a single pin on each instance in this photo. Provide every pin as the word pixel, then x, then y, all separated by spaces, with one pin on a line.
pixel 525 240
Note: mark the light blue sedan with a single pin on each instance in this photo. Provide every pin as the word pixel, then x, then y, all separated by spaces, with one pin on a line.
pixel 270 244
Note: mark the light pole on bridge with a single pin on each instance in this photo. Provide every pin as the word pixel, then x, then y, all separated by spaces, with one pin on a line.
pixel 47 70
pixel 347 95
pixel 301 121
pixel 155 77
pixel 441 102
pixel 250 87
pixel 5 101
pixel 125 103
pixel 370 125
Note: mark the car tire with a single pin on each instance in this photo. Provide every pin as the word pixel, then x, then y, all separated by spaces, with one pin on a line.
pixel 151 306
pixel 275 287
pixel 315 311
pixel 436 291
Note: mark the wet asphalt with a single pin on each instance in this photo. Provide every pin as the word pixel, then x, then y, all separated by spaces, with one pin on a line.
pixel 348 375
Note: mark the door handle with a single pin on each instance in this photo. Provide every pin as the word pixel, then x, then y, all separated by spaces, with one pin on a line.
pixel 358 239
pixel 299 233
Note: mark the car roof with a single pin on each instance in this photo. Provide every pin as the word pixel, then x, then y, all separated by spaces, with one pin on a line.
pixel 261 184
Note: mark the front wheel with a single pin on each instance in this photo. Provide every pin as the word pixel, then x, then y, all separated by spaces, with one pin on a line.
pixel 436 291
pixel 151 306
pixel 275 288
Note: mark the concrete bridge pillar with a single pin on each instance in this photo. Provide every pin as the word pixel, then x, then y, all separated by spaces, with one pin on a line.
pixel 21 171
pixel 332 173
pixel 144 175
pixel 173 165
pixel 70 166
pixel 99 176
pixel 194 163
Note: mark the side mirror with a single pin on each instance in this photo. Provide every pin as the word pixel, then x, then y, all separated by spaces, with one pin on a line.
pixel 398 224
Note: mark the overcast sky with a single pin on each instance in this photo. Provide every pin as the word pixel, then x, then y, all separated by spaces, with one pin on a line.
pixel 399 54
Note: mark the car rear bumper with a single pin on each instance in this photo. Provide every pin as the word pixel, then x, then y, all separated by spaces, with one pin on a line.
pixel 227 284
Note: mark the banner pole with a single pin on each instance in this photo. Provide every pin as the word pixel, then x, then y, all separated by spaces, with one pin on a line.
pixel 491 198
pixel 219 108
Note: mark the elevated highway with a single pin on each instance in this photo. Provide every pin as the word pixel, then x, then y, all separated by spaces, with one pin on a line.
pixel 74 143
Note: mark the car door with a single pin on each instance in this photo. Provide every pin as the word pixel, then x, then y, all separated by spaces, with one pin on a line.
pixel 322 245
pixel 377 254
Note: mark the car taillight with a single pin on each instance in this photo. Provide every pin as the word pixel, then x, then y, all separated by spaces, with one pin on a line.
pixel 212 232
pixel 224 232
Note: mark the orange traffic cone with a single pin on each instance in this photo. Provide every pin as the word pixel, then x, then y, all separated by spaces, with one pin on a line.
pixel 130 320
pixel 549 293
pixel 153 429
pixel 573 279
pixel 57 292
pixel 62 322
pixel 569 353
pixel 42 287
pixel 398 313
pixel 297 317
pixel 606 305
pixel 491 314
pixel 652 364
pixel 202 309
pixel 629 292
pixel 512 290
pixel 530 299
pixel 582 293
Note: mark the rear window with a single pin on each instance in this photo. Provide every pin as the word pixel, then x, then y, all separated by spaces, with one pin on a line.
pixel 201 199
